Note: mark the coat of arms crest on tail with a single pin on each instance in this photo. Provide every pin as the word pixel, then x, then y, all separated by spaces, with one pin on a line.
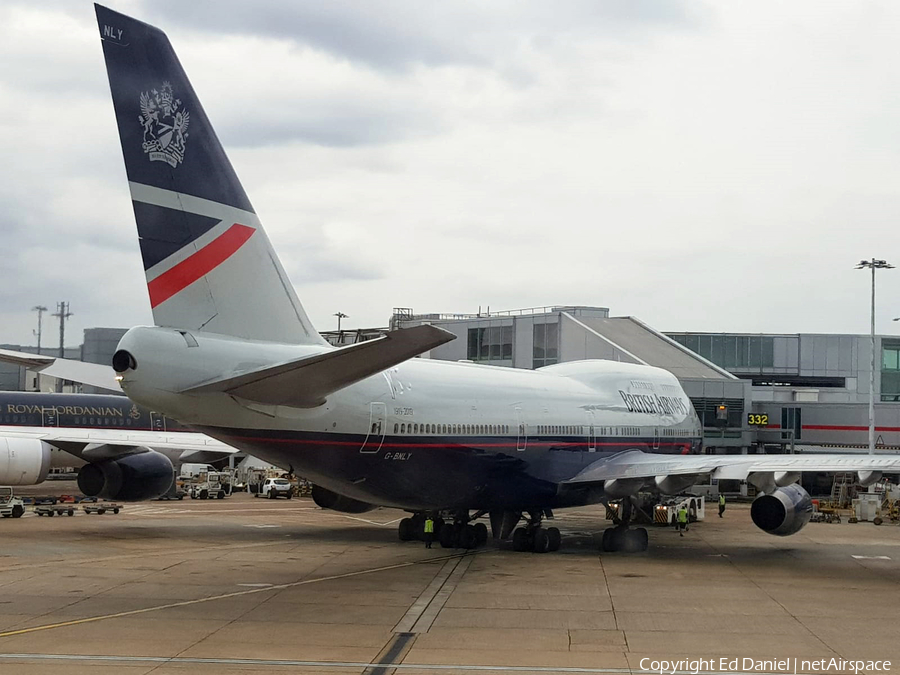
pixel 165 125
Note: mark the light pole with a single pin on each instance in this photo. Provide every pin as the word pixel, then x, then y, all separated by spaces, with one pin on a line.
pixel 340 315
pixel 873 264
pixel 40 309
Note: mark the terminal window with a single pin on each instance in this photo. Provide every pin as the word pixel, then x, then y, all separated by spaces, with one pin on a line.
pixel 890 372
pixel 732 351
pixel 494 343
pixel 546 344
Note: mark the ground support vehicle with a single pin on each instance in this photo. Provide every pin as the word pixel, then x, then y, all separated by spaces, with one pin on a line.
pixel 10 505
pixel 208 485
pixel 101 508
pixel 276 487
pixel 55 510
pixel 666 512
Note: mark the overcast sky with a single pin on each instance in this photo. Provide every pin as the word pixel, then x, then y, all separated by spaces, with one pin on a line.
pixel 710 166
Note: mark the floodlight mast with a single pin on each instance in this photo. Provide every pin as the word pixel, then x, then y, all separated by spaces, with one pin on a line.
pixel 873 264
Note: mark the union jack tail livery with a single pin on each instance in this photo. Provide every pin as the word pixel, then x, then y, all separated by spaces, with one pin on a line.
pixel 209 264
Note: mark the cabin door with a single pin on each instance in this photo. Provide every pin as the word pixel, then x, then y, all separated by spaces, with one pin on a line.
pixel 157 422
pixel 377 427
pixel 521 431
pixel 591 432
pixel 49 418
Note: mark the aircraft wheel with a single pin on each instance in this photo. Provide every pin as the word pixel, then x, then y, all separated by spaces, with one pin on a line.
pixel 613 540
pixel 634 540
pixel 520 539
pixel 555 538
pixel 541 540
pixel 447 536
pixel 18 511
pixel 481 534
pixel 406 530
pixel 466 536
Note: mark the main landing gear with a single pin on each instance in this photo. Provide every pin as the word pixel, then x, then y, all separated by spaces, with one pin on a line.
pixel 460 533
pixel 533 537
pixel 621 537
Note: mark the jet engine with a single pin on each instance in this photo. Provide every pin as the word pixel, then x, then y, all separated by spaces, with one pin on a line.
pixel 782 512
pixel 23 461
pixel 332 500
pixel 131 478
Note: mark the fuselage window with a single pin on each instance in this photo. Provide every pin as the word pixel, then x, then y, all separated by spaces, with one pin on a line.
pixel 395 427
pixel 402 428
pixel 415 428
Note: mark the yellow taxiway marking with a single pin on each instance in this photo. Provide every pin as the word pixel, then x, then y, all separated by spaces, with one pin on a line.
pixel 235 594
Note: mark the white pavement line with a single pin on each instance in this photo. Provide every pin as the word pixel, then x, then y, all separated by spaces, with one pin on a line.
pixel 370 522
pixel 223 596
pixel 423 625
pixel 334 664
pixel 418 608
pixel 870 557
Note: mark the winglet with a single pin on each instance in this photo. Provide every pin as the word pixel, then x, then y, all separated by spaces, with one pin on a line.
pixel 305 382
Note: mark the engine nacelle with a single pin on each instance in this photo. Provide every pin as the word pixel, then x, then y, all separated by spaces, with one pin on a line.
pixel 23 461
pixel 673 485
pixel 132 478
pixel 867 478
pixel 783 512
pixel 332 500
pixel 616 488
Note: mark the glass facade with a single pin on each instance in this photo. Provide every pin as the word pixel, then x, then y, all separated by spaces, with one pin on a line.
pixel 890 371
pixel 546 344
pixel 732 351
pixel 494 343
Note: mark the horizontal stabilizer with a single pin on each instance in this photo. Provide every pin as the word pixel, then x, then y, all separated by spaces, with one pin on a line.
pixel 305 382
pixel 94 374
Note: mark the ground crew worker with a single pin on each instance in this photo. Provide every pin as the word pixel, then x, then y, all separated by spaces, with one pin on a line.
pixel 429 531
pixel 721 504
pixel 682 520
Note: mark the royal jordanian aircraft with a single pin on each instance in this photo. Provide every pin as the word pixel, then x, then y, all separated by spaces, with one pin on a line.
pixel 109 437
pixel 234 355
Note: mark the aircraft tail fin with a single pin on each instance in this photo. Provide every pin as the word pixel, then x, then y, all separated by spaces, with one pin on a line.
pixel 209 264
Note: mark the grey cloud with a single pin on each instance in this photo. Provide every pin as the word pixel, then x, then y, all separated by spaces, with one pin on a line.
pixel 397 35
pixel 334 124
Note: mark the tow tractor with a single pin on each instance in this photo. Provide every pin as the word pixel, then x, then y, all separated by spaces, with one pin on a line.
pixel 208 485
pixel 10 505
pixel 666 512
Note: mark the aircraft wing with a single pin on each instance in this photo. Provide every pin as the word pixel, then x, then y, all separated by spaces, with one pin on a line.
pixel 96 444
pixel 94 374
pixel 305 382
pixel 636 464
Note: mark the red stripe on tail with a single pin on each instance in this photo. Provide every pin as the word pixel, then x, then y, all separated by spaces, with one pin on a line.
pixel 198 264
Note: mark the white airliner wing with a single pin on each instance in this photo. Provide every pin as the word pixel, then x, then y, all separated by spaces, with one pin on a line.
pixel 637 464
pixel 94 374
pixel 97 444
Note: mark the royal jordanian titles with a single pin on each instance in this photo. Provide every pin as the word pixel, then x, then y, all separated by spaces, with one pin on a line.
pixel 233 354
pixel 106 436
